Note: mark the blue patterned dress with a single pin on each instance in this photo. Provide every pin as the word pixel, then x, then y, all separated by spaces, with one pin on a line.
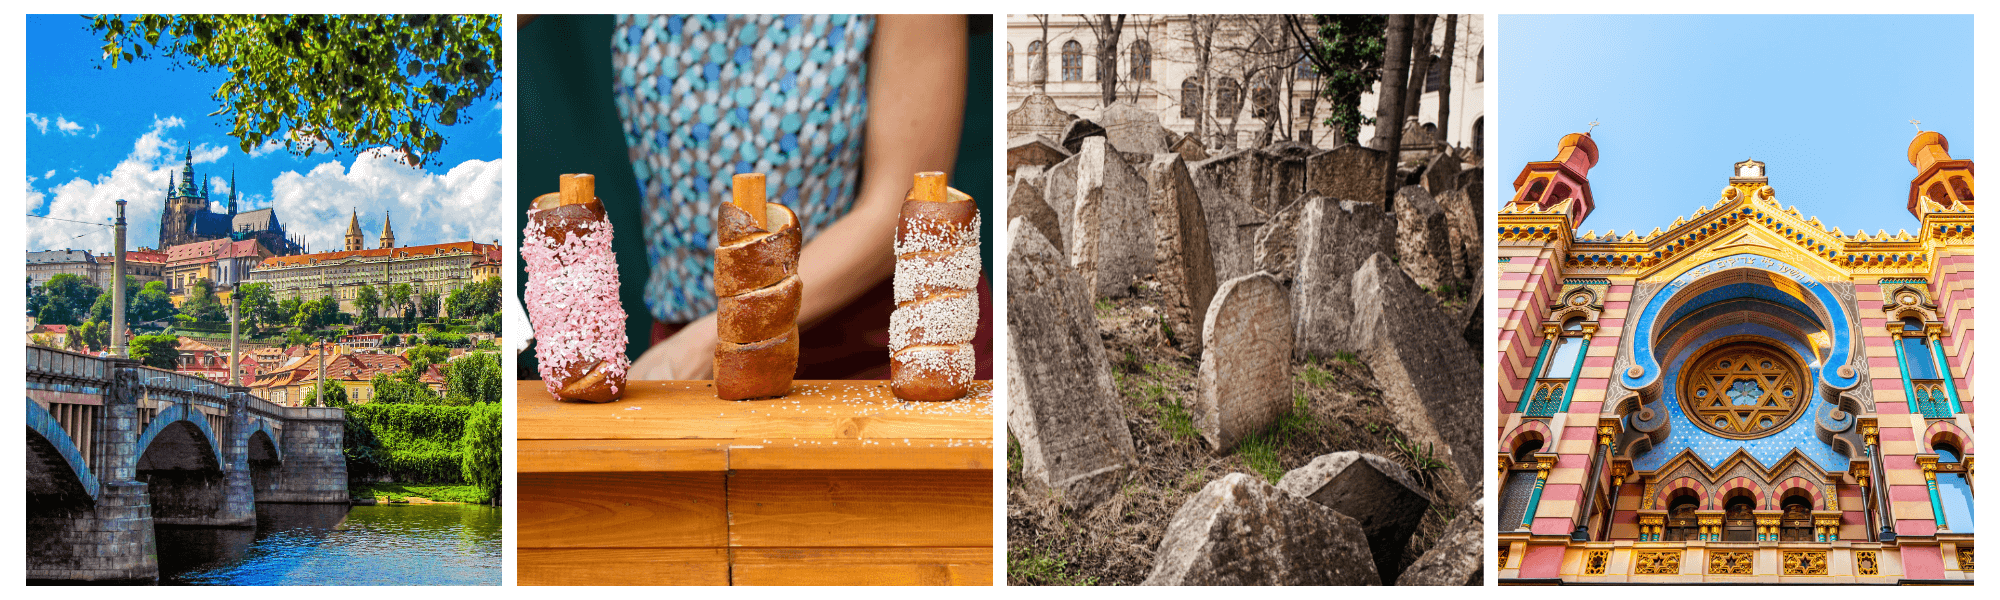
pixel 704 97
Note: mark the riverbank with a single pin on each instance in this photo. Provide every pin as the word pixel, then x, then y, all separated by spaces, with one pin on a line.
pixel 419 493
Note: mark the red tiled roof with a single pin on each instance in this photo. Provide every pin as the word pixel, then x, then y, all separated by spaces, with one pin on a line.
pixel 242 249
pixel 196 252
pixel 145 256
pixel 406 251
pixel 188 344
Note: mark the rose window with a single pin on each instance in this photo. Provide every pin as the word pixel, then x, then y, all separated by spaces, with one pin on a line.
pixel 1744 390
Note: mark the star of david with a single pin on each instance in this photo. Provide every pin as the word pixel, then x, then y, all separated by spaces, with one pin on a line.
pixel 1743 391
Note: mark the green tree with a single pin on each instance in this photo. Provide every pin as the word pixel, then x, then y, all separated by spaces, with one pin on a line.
pixel 367 305
pixel 336 395
pixel 480 450
pixel 260 306
pixel 35 296
pixel 159 351
pixel 67 299
pixel 474 378
pixel 1346 51
pixel 152 303
pixel 398 299
pixel 480 298
pixel 427 304
pixel 94 335
pixel 391 341
pixel 351 81
pixel 202 303
pixel 316 314
pixel 394 389
pixel 422 357
pixel 297 338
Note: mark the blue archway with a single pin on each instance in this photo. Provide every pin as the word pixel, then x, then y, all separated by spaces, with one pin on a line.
pixel 1807 291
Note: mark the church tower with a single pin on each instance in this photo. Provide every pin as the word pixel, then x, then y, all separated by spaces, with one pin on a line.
pixel 1947 182
pixel 388 236
pixel 232 191
pixel 354 232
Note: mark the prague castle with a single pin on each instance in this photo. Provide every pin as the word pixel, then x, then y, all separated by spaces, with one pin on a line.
pixel 438 268
pixel 1744 395
pixel 185 217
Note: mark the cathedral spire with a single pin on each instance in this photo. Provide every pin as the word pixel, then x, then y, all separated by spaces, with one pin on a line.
pixel 388 236
pixel 354 231
pixel 232 191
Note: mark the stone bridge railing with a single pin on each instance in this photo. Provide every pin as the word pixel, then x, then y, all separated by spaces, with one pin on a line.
pixel 115 447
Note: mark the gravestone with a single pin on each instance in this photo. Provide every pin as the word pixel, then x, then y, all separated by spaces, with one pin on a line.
pixel 1232 227
pixel 1441 173
pixel 1038 115
pixel 1335 238
pixel 1189 147
pixel 1062 407
pixel 1462 226
pixel 1376 491
pixel 1240 531
pixel 1074 134
pixel 1109 229
pixel 1181 264
pixel 1133 129
pixel 1025 200
pixel 1243 176
pixel 1347 172
pixel 1032 150
pixel 1423 238
pixel 1276 247
pixel 1429 378
pixel 1245 379
pixel 1457 557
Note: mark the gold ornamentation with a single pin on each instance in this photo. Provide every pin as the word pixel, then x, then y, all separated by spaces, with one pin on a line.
pixel 1732 562
pixel 1503 556
pixel 1965 559
pixel 1804 562
pixel 1864 563
pixel 1595 561
pixel 1635 371
pixel 1743 390
pixel 1657 562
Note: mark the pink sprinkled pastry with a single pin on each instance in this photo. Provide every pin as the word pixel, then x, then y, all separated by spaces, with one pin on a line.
pixel 573 294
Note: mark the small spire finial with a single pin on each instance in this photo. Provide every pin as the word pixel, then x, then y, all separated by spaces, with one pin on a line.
pixel 1917 124
pixel 1593 127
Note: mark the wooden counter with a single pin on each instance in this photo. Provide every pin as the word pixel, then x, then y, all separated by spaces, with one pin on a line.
pixel 838 483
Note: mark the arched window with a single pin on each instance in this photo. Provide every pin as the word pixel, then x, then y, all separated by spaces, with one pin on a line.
pixel 1480 75
pixel 1738 524
pixel 1479 135
pixel 1038 60
pixel 1954 492
pixel 1960 189
pixel 1142 61
pixel 1228 97
pixel 1681 523
pixel 1190 98
pixel 1264 97
pixel 1010 62
pixel 1920 366
pixel 1796 524
pixel 1519 485
pixel 1304 70
pixel 1072 64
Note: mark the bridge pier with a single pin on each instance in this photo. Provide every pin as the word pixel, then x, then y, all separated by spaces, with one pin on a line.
pixel 110 541
pixel 313 470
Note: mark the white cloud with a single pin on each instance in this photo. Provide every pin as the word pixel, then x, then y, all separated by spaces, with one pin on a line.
pixel 426 208
pixel 267 147
pixel 50 174
pixel 35 196
pixel 96 129
pixel 41 122
pixel 140 179
pixel 67 126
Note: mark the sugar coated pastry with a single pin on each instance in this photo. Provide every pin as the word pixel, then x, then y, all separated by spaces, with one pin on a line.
pixel 936 292
pixel 573 294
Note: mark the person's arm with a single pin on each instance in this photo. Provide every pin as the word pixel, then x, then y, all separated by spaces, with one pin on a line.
pixel 916 92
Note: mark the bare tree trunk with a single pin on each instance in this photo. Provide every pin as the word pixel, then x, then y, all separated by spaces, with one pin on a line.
pixel 1444 84
pixel 1389 107
pixel 1038 71
pixel 1107 31
pixel 1202 29
pixel 1420 63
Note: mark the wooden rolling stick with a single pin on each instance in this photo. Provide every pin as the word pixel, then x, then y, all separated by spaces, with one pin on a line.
pixel 937 293
pixel 758 292
pixel 572 296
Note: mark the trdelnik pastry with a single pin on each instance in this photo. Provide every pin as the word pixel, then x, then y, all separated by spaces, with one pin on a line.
pixel 936 292
pixel 758 291
pixel 573 294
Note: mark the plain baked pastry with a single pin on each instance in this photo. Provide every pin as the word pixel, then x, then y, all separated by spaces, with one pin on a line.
pixel 758 291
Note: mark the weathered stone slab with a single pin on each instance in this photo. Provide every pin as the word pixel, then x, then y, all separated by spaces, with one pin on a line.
pixel 1463 226
pixel 1109 228
pixel 1428 377
pixel 1025 200
pixel 1376 491
pixel 1245 380
pixel 1473 181
pixel 1441 173
pixel 1032 150
pixel 1232 228
pixel 1133 129
pixel 1074 133
pixel 1240 531
pixel 1059 193
pixel 1189 147
pixel 1242 176
pixel 1423 238
pixel 1458 556
pixel 1335 238
pixel 1276 249
pixel 1062 407
pixel 1181 264
pixel 1347 172
pixel 1038 115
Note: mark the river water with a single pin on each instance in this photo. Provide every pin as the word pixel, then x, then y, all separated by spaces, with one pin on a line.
pixel 332 544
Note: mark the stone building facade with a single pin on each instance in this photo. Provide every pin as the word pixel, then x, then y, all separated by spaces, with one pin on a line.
pixel 144 264
pixel 1157 71
pixel 185 216
pixel 1744 395
pixel 440 268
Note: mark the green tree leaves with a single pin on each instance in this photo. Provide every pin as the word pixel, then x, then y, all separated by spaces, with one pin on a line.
pixel 480 449
pixel 158 351
pixel 313 81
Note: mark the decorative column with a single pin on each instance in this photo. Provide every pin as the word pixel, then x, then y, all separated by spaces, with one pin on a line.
pixel 1543 464
pixel 1597 457
pixel 1549 334
pixel 1576 371
pixel 1929 464
pixel 1711 527
pixel 1944 368
pixel 1872 448
pixel 1918 404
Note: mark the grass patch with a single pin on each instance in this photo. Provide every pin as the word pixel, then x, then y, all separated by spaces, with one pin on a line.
pixel 1032 566
pixel 1260 452
pixel 1347 357
pixel 1314 376
pixel 435 492
pixel 1104 306
pixel 1013 455
pixel 1173 414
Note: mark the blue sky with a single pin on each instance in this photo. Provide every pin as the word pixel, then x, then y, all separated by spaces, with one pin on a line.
pixel 97 135
pixel 1824 101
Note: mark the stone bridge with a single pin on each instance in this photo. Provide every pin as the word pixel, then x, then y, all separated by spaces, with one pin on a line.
pixel 115 448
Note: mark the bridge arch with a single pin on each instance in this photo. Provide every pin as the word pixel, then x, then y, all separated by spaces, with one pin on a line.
pixel 263 442
pixel 180 415
pixel 56 469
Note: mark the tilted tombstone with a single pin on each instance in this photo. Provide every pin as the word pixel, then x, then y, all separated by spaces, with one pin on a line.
pixel 1335 238
pixel 1347 172
pixel 1376 491
pixel 1038 115
pixel 1441 173
pixel 1032 150
pixel 1025 200
pixel 1181 263
pixel 1428 377
pixel 1423 238
pixel 1133 129
pixel 1245 379
pixel 1061 406
pixel 1239 530
pixel 1457 557
pixel 1074 134
pixel 1109 228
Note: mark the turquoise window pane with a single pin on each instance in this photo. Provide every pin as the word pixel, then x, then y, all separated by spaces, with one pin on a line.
pixel 1918 356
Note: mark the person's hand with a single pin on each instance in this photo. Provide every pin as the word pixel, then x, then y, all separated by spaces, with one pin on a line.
pixel 687 355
